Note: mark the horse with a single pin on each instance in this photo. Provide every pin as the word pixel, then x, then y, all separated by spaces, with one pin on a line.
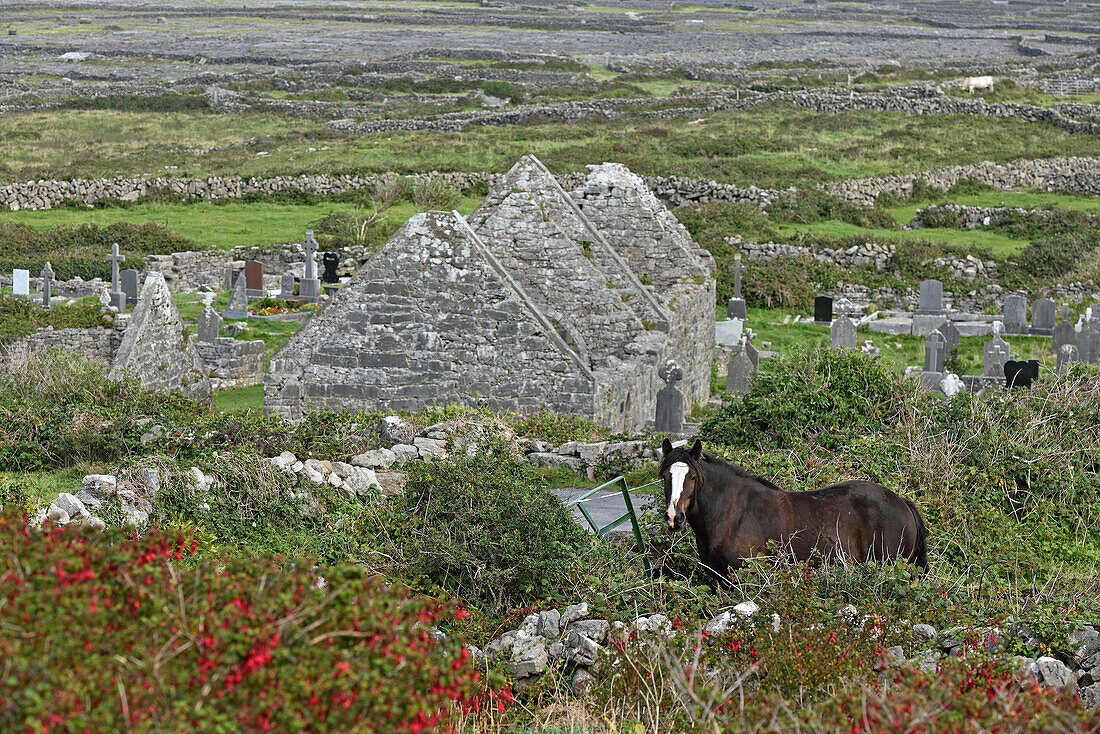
pixel 735 515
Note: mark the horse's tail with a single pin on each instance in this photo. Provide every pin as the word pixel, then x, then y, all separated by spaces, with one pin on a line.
pixel 920 549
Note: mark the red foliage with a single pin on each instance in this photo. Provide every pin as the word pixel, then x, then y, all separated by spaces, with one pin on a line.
pixel 105 633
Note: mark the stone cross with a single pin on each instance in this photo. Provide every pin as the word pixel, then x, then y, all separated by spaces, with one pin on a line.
pixel 996 355
pixel 47 285
pixel 935 351
pixel 208 299
pixel 738 269
pixel 670 401
pixel 735 308
pixel 310 247
pixel 118 298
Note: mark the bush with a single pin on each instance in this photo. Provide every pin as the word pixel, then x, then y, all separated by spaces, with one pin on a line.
pixel 106 633
pixel 482 530
pixel 21 317
pixel 814 205
pixel 1049 258
pixel 434 194
pixel 828 397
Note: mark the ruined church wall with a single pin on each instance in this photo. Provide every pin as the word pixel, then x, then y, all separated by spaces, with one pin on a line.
pixel 232 362
pixel 98 344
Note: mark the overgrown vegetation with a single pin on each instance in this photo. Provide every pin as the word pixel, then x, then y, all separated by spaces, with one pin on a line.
pixel 21 317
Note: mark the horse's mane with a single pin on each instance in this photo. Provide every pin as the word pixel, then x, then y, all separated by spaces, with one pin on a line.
pixel 682 454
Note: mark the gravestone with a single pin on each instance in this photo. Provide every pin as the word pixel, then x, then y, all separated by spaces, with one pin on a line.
pixel 951 334
pixel 310 287
pixel 1067 355
pixel 331 261
pixel 842 334
pixel 670 401
pixel 997 352
pixel 747 347
pixel 823 310
pixel 21 282
pixel 129 285
pixel 286 286
pixel 254 279
pixel 931 297
pixel 1015 315
pixel 1088 345
pixel 1042 317
pixel 1063 332
pixel 209 324
pixel 739 373
pixel 735 307
pixel 238 301
pixel 1021 374
pixel 118 298
pixel 47 285
pixel 728 332
pixel 935 352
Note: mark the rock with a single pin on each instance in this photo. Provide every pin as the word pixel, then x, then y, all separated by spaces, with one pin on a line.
pixel 581 680
pixel 720 624
pixel 502 645
pixel 550 624
pixel 284 461
pixel 335 480
pixel 90 502
pixel 952 638
pixel 57 515
pixel 150 480
pixel 572 613
pixel 363 482
pixel 656 624
pixel 928 661
pixel 430 448
pixel 924 632
pixel 556 650
pixel 1090 696
pixel 580 650
pixel 134 516
pixel 341 469
pixel 529 657
pixel 376 459
pixel 94 523
pixel 594 629
pixel 1053 673
pixel 201 482
pixel 72 506
pixel 554 461
pixel 1085 643
pixel 529 626
pixel 895 655
pixel 438 431
pixel 404 453
pixel 394 429
pixel 747 608
pixel 99 485
pixel 391 482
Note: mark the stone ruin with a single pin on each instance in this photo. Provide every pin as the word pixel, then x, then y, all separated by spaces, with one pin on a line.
pixel 539 299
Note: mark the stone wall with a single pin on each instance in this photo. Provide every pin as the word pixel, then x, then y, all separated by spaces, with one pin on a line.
pixel 973 217
pixel 232 362
pixel 99 343
pixel 869 254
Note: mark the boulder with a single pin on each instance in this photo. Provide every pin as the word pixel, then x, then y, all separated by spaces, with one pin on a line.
pixel 594 629
pixel 99 485
pixel 572 613
pixel 430 448
pixel 391 482
pixel 924 632
pixel 581 680
pixel 550 624
pixel 394 429
pixel 375 459
pixel 580 650
pixel 720 624
pixel 529 657
pixel 72 506
pixel 404 453
pixel 1053 673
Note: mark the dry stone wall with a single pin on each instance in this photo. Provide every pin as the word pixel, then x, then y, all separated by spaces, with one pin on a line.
pixel 868 254
pixel 232 362
pixel 974 217
pixel 99 344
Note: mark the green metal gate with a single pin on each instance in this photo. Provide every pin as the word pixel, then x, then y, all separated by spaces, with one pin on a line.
pixel 630 514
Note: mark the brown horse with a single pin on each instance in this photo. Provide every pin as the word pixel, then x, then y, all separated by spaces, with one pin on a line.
pixel 735 515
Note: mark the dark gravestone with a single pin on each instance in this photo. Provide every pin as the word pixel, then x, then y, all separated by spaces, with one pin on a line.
pixel 823 310
pixel 1015 315
pixel 286 286
pixel 1021 374
pixel 129 284
pixel 931 297
pixel 1063 332
pixel 951 334
pixel 670 401
pixel 1088 344
pixel 1042 317
pixel 254 279
pixel 331 261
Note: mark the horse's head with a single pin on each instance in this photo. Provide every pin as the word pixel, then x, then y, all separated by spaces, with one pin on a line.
pixel 681 471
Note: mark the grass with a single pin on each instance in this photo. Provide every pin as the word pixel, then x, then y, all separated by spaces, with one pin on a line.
pixel 904 213
pixel 223 226
pixel 240 399
pixel 43 487
pixel 273 332
pixel 774 145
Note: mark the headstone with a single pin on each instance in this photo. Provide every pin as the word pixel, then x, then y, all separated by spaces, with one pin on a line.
pixel 1015 315
pixel 1021 374
pixel 842 334
pixel 118 298
pixel 1088 345
pixel 238 301
pixel 1042 317
pixel 1067 355
pixel 747 347
pixel 951 334
pixel 310 287
pixel 931 297
pixel 331 261
pixel 286 286
pixel 670 401
pixel 997 352
pixel 254 279
pixel 735 307
pixel 823 310
pixel 47 285
pixel 728 332
pixel 935 352
pixel 739 373
pixel 129 284
pixel 1063 332
pixel 21 282
pixel 209 324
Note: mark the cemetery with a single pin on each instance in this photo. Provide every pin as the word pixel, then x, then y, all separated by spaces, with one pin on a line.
pixel 501 367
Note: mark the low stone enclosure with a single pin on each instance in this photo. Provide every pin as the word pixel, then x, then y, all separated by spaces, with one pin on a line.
pixel 152 344
pixel 541 299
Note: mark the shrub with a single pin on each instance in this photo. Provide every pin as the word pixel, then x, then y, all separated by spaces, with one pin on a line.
pixel 105 633
pixel 434 194
pixel 21 317
pixel 828 397
pixel 807 206
pixel 481 529
pixel 1049 258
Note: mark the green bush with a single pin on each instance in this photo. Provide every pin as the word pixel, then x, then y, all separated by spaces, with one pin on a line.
pixel 810 205
pixel 1049 258
pixel 112 633
pixel 827 397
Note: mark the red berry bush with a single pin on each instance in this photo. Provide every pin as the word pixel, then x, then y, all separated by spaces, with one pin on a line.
pixel 107 633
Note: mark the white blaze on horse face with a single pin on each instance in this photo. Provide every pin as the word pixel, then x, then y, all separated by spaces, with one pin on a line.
pixel 679 472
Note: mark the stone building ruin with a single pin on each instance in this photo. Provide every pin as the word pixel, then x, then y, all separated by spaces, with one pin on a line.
pixel 541 298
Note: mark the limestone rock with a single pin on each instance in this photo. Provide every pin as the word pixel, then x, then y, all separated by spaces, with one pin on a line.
pixel 550 624
pixel 529 657
pixel 580 650
pixel 72 506
pixel 430 448
pixel 404 453
pixel 572 613
pixel 99 485
pixel 594 629
pixel 375 459
pixel 394 429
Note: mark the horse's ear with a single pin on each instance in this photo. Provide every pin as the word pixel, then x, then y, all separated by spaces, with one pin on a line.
pixel 697 450
pixel 666 447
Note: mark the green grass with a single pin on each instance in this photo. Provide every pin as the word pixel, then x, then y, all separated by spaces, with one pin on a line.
pixel 904 213
pixel 43 487
pixel 240 399
pixel 774 145
pixel 222 226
